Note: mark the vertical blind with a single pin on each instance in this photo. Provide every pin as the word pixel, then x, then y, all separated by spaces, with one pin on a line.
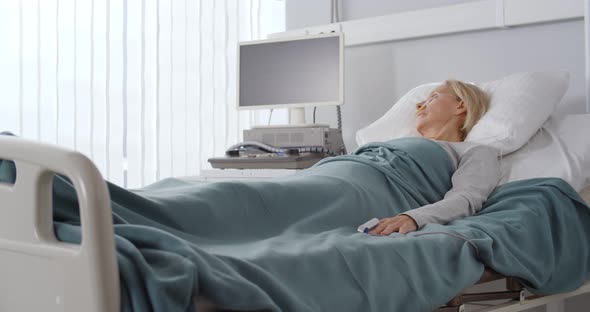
pixel 145 88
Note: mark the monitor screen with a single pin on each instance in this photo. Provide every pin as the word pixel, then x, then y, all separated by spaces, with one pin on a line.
pixel 294 72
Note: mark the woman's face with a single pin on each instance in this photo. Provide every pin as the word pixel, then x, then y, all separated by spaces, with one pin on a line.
pixel 439 108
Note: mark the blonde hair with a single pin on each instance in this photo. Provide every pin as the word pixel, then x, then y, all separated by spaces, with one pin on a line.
pixel 476 100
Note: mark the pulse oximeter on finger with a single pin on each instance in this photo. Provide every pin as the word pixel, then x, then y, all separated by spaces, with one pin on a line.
pixel 367 226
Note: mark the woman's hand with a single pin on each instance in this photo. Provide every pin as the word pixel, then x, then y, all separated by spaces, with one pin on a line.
pixel 402 224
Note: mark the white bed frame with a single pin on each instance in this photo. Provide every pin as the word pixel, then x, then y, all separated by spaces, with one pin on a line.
pixel 536 302
pixel 554 303
pixel 39 273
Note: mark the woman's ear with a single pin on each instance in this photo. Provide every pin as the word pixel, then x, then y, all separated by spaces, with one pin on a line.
pixel 461 108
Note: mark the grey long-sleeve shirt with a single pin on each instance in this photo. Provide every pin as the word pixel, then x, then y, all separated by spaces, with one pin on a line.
pixel 477 173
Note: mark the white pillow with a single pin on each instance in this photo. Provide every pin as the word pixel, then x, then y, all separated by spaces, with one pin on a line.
pixel 559 149
pixel 520 103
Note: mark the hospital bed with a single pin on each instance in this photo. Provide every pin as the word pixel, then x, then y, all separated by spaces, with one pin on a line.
pixel 39 273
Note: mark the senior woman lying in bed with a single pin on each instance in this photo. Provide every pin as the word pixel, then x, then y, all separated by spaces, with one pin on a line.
pixel 446 116
pixel 290 243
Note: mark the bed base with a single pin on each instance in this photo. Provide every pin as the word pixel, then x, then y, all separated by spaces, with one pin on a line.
pixel 514 292
pixel 515 305
pixel 515 298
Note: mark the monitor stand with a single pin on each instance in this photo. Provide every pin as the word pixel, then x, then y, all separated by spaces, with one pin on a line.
pixel 296 120
pixel 297 116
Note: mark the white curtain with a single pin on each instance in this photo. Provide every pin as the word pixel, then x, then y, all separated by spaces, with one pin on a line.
pixel 145 88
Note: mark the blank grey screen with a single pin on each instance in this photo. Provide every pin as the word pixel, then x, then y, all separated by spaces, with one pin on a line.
pixel 299 71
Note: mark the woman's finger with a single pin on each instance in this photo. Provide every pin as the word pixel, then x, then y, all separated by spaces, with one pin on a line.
pixel 380 226
pixel 383 223
pixel 390 228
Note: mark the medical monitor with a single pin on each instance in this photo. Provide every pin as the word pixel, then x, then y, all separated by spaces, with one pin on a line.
pixel 293 72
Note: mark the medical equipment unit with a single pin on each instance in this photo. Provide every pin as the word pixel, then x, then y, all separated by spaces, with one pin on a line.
pixel 294 73
pixel 271 147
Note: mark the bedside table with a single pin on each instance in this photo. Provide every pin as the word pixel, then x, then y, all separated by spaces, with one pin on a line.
pixel 213 175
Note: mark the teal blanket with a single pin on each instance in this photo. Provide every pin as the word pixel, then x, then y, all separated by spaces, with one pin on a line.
pixel 290 243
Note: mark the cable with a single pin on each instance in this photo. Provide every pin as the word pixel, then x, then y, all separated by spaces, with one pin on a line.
pixel 336 19
pixel 339 115
pixel 270 116
pixel 278 150
pixel 333 8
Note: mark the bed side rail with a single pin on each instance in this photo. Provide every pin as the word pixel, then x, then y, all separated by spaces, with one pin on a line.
pixel 37 272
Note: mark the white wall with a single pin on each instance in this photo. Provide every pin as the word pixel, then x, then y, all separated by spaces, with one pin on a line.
pixel 377 75
pixel 362 9
pixel 301 13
